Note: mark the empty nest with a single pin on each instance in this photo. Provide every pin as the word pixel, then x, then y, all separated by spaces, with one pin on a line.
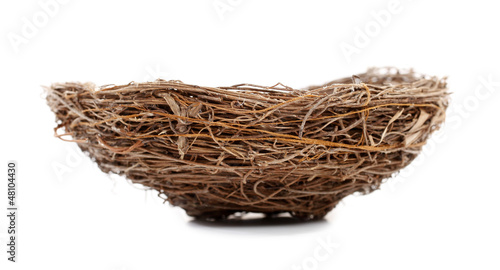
pixel 215 151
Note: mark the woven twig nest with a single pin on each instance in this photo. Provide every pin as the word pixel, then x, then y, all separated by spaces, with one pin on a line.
pixel 215 151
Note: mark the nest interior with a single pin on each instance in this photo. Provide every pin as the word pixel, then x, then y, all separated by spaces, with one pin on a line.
pixel 215 151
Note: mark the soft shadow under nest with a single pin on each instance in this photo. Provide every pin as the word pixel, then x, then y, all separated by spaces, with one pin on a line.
pixel 215 151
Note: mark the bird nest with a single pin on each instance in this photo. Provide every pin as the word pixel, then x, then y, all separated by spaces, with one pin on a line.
pixel 216 151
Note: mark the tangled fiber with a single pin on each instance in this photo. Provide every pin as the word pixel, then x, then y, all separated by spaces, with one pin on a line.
pixel 215 151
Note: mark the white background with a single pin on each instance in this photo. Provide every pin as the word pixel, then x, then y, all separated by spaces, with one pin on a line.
pixel 442 212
